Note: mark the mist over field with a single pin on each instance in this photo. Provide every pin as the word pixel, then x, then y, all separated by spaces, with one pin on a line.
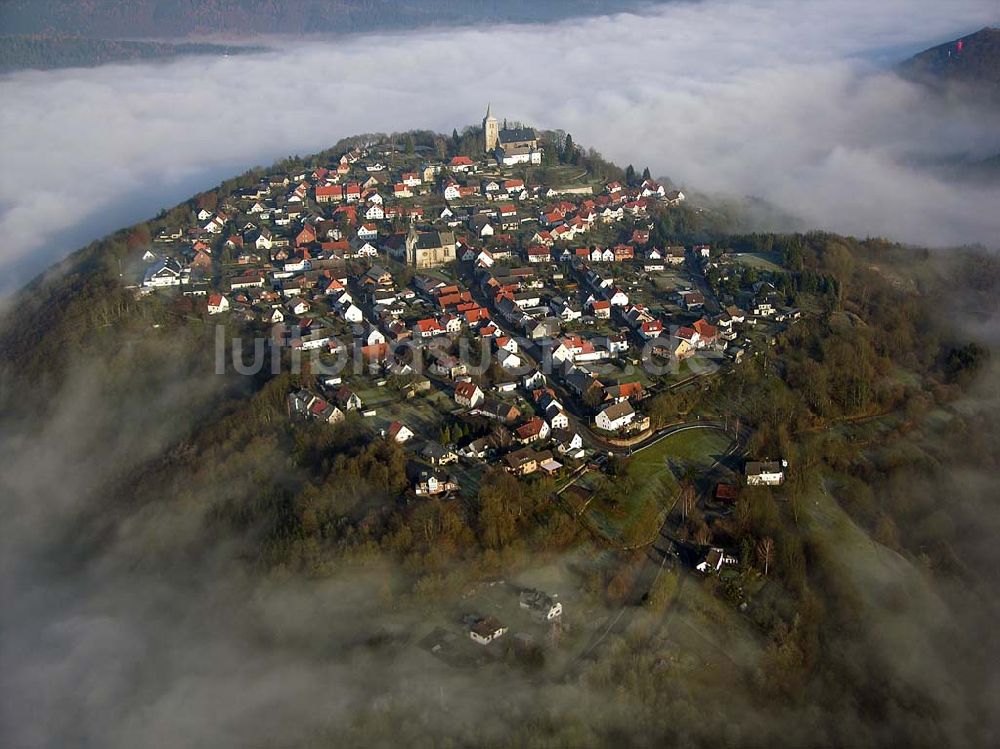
pixel 787 101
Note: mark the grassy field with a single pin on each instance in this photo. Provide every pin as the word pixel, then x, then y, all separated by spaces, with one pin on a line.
pixel 653 473
pixel 695 448
pixel 768 261
pixel 423 413
pixel 669 280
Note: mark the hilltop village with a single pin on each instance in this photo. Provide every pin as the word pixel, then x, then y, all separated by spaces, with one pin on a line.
pixel 382 248
pixel 507 306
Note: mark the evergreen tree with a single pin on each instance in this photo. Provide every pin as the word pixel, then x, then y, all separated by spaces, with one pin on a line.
pixel 630 175
pixel 569 150
pixel 645 174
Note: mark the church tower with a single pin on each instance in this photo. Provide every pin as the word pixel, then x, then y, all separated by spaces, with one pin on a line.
pixel 491 131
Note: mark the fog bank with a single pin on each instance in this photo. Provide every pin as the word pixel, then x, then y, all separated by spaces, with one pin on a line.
pixel 779 99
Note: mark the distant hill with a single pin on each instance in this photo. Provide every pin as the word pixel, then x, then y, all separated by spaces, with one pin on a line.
pixel 964 70
pixel 116 19
pixel 970 63
pixel 42 52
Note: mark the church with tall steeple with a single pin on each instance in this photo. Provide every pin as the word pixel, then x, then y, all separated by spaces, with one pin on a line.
pixel 491 131
pixel 510 145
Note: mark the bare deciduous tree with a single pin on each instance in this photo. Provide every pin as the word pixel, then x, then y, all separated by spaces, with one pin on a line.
pixel 765 553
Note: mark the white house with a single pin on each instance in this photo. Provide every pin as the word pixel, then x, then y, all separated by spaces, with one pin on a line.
pixel 297 306
pixel 619 298
pixel 486 630
pixel 507 343
pixel 534 379
pixel 767 473
pixel 558 420
pixel 569 443
pixel 353 313
pixel 164 272
pixel 508 360
pixel 217 304
pixel 468 394
pixel 367 249
pixel 615 416
pixel 399 432
pixel 373 336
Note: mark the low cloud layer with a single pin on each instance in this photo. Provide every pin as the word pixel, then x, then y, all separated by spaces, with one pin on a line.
pixel 779 99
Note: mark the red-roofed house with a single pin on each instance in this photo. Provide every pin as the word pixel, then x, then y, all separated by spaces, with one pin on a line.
pixel 329 193
pixel 539 254
pixel 535 429
pixel 399 432
pixel 427 328
pixel 468 394
pixel 707 332
pixel 217 303
pixel 651 329
pixel 601 308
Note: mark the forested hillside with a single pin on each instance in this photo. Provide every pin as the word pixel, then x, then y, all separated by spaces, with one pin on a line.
pixel 971 62
pixel 178 18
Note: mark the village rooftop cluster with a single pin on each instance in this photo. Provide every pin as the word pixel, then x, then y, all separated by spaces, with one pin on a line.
pixel 407 262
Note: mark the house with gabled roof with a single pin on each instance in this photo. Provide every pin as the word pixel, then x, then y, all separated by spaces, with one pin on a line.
pixel 500 411
pixel 633 391
pixel 601 308
pixel 486 630
pixel 468 394
pixel 427 328
pixel 348 399
pixel 651 329
pixel 217 303
pixel 163 272
pixel 521 462
pixel 616 416
pixel 532 430
pixel 399 432
pixel 708 334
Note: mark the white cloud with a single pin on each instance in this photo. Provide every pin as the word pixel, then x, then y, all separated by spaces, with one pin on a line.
pixel 777 98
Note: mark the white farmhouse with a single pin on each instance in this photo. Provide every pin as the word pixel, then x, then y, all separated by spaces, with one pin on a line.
pixel 615 416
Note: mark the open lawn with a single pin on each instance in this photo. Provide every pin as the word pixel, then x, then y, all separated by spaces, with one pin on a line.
pixel 423 413
pixel 694 448
pixel 666 281
pixel 653 475
pixel 768 261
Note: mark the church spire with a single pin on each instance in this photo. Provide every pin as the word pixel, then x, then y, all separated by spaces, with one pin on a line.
pixel 491 130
